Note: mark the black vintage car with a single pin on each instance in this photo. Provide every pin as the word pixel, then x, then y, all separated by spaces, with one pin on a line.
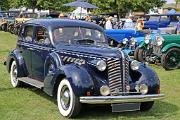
pixel 71 60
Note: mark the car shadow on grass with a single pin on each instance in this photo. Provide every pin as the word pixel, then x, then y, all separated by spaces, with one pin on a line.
pixel 160 109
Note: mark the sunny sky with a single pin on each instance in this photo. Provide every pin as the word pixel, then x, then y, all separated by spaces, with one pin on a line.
pixel 170 1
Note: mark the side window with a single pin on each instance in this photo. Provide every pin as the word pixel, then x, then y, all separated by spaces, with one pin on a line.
pixel 28 33
pixel 42 36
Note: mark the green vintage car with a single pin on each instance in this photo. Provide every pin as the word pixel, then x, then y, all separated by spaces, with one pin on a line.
pixel 164 49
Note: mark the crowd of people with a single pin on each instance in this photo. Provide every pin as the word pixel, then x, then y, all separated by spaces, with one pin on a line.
pixel 110 22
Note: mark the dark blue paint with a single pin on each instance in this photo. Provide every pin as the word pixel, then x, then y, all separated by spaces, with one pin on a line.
pixel 45 63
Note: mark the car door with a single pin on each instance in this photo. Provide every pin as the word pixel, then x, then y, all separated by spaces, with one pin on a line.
pixel 25 43
pixel 40 52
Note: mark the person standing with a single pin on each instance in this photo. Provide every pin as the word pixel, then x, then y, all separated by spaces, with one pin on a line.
pixel 108 24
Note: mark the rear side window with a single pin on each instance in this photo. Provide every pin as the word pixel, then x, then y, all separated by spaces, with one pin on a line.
pixel 28 33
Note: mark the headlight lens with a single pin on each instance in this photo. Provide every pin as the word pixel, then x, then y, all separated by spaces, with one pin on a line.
pixel 143 89
pixel 147 39
pixel 133 41
pixel 101 65
pixel 125 40
pixel 104 90
pixel 159 40
pixel 135 65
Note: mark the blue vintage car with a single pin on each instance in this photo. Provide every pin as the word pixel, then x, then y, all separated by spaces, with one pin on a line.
pixel 161 20
pixel 72 60
pixel 127 39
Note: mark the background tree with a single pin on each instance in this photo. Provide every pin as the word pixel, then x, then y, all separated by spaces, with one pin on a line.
pixel 4 5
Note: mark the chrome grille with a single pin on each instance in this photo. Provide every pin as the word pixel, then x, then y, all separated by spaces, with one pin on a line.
pixel 157 49
pixel 114 76
pixel 118 79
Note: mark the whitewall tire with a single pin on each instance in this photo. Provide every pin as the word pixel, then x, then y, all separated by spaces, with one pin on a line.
pixel 68 104
pixel 13 75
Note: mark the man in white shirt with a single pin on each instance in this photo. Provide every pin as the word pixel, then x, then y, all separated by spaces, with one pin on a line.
pixel 108 24
pixel 129 23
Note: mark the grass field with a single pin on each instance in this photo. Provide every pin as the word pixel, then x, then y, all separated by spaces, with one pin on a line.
pixel 29 103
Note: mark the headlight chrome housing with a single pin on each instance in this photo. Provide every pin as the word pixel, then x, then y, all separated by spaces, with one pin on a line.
pixel 159 40
pixel 147 39
pixel 125 40
pixel 135 65
pixel 133 41
pixel 143 89
pixel 104 90
pixel 101 65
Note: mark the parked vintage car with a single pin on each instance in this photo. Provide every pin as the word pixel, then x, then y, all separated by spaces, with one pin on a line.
pixel 161 20
pixel 23 17
pixel 71 59
pixel 127 39
pixel 164 49
pixel 3 20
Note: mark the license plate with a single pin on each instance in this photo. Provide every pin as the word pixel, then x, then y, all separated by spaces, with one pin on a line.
pixel 125 107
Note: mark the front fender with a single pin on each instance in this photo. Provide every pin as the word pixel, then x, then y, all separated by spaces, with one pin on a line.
pixel 21 67
pixel 80 80
pixel 167 47
pixel 150 78
pixel 142 45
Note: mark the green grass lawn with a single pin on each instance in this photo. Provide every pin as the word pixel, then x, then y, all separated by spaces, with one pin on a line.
pixel 29 103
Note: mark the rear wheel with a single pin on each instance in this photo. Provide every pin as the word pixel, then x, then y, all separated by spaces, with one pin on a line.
pixel 13 75
pixel 141 55
pixel 145 106
pixel 68 103
pixel 171 59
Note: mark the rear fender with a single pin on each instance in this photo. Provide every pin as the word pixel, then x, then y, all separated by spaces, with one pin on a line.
pixel 15 55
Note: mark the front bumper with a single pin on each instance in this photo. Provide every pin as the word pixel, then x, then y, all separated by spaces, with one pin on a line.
pixel 120 99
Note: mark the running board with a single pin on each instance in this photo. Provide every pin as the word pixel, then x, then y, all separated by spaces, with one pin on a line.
pixel 32 82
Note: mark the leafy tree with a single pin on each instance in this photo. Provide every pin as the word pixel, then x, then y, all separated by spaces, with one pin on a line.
pixel 4 5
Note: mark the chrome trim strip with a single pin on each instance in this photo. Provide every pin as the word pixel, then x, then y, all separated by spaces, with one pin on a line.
pixel 120 99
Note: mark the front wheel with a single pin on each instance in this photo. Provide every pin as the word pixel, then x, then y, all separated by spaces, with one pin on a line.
pixel 13 75
pixel 171 59
pixel 136 54
pixel 68 103
pixel 145 106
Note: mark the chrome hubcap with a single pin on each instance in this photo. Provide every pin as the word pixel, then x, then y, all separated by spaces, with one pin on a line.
pixel 65 97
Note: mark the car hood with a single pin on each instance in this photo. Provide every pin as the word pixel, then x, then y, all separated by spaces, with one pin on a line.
pixel 90 50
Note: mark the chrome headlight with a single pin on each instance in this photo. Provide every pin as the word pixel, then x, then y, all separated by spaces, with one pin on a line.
pixel 147 39
pixel 104 90
pixel 101 65
pixel 125 40
pixel 159 40
pixel 133 41
pixel 143 89
pixel 135 65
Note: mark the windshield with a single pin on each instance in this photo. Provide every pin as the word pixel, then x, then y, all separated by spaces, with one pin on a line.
pixel 164 18
pixel 78 35
pixel 29 15
pixel 154 18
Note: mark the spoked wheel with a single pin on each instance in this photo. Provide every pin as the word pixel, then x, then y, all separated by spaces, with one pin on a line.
pixel 68 104
pixel 171 59
pixel 13 75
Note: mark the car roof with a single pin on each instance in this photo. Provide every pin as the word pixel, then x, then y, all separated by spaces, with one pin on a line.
pixel 54 23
